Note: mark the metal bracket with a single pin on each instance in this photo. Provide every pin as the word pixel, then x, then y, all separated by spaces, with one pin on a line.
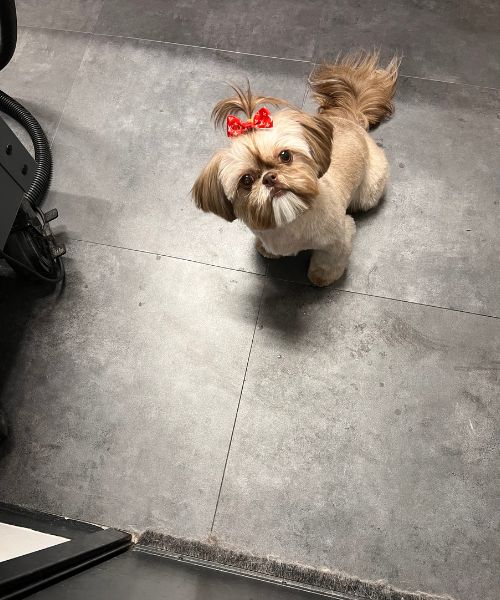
pixel 17 170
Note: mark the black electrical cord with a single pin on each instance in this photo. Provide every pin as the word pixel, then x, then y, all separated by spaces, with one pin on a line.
pixel 61 273
pixel 25 267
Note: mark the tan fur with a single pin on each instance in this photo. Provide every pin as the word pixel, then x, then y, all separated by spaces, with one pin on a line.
pixel 356 88
pixel 318 132
pixel 209 194
pixel 336 166
pixel 256 154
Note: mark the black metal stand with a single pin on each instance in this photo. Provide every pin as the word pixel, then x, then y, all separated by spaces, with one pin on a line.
pixel 26 240
pixel 17 169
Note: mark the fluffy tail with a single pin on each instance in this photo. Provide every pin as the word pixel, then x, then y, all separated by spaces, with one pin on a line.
pixel 356 88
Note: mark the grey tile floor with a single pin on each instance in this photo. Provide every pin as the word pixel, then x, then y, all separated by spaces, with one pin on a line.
pixel 182 383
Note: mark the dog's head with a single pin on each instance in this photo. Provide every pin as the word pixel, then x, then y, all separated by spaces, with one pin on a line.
pixel 267 177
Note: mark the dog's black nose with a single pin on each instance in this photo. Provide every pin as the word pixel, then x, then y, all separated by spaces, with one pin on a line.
pixel 270 179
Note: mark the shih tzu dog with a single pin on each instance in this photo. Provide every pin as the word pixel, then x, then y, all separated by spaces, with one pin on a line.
pixel 292 177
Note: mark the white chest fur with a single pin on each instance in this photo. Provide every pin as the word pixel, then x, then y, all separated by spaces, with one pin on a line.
pixel 313 229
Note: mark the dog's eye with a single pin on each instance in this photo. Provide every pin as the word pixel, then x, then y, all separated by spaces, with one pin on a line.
pixel 285 156
pixel 246 181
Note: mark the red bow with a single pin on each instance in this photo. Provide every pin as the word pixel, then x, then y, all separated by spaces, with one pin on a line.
pixel 261 120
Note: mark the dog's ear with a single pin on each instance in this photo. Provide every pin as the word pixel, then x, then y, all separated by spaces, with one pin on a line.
pixel 208 193
pixel 318 132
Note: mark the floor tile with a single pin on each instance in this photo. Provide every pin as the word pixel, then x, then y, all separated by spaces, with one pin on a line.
pixel 435 237
pixel 367 440
pixel 75 15
pixel 271 28
pixel 41 73
pixel 121 390
pixel 134 137
pixel 447 40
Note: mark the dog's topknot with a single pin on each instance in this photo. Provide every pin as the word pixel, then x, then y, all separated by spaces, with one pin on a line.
pixel 243 102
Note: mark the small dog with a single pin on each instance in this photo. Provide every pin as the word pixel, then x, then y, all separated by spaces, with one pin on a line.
pixel 292 177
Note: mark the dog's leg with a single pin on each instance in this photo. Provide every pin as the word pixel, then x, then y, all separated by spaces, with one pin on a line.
pixel 326 267
pixel 372 187
pixel 259 246
pixel 328 264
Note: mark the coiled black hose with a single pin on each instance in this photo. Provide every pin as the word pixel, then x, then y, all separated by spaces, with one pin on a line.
pixel 43 156
pixel 43 173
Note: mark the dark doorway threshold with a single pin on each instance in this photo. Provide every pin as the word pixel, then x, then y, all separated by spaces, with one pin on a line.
pixel 142 575
pixel 102 563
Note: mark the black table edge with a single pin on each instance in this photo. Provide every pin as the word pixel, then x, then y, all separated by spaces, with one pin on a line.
pixel 26 574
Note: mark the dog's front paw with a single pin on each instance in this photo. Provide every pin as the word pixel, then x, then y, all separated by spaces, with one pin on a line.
pixel 259 246
pixel 323 277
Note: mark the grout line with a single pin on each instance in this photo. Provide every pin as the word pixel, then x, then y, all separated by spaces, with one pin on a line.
pixel 267 275
pixel 304 97
pixel 317 34
pixel 171 256
pixel 128 37
pixel 238 407
pixel 98 16
pixel 91 31
pixel 138 39
pixel 313 60
pixel 472 85
pixel 392 299
pixel 306 91
pixel 70 90
pixel 42 28
pixel 436 306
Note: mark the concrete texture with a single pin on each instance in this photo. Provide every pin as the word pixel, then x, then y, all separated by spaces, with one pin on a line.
pixel 268 27
pixel 368 436
pixel 446 40
pixel 122 389
pixel 73 15
pixel 367 433
pixel 41 73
